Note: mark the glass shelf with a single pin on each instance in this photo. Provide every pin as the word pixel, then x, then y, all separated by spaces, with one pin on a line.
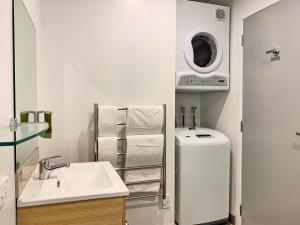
pixel 25 132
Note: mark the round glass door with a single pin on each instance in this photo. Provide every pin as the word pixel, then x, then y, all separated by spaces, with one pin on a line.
pixel 202 52
pixel 205 50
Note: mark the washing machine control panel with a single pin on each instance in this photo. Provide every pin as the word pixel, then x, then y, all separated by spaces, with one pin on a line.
pixel 193 80
pixel 204 136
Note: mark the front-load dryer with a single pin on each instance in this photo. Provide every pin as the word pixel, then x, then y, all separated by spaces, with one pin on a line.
pixel 202 61
pixel 202 177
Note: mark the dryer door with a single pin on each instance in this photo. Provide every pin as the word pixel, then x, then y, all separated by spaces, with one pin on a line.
pixel 203 52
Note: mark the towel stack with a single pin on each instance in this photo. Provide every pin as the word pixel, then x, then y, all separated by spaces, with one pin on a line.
pixel 145 143
pixel 107 140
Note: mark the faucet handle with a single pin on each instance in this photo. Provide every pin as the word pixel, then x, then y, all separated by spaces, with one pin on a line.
pixel 183 109
pixel 51 157
pixel 46 161
pixel 193 108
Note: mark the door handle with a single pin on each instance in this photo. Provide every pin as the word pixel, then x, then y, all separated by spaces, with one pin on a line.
pixel 298 133
pixel 274 51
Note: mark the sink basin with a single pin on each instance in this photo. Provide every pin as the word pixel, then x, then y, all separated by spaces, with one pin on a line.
pixel 80 181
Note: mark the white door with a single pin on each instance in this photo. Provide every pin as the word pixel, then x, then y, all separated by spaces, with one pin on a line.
pixel 271 115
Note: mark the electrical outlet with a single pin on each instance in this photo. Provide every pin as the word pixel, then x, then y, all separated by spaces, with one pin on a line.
pixel 166 202
pixel 3 190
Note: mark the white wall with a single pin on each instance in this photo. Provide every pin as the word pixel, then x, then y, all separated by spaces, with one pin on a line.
pixel 114 53
pixel 225 112
pixel 7 213
pixel 34 8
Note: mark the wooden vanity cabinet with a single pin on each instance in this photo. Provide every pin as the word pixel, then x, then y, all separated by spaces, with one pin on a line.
pixel 109 211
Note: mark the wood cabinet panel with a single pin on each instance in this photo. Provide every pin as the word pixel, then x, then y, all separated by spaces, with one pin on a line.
pixel 109 211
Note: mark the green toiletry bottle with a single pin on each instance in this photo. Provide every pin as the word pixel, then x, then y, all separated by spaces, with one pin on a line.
pixel 48 119
pixel 24 117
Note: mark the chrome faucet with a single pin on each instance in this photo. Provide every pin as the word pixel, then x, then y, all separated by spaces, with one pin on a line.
pixel 183 115
pixel 193 109
pixel 45 168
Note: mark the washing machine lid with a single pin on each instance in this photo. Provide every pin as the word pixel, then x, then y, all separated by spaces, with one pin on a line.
pixel 199 136
pixel 203 52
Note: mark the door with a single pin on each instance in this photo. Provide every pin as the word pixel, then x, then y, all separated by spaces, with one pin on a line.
pixel 271 115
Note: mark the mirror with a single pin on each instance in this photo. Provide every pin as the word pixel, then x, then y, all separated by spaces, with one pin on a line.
pixel 25 68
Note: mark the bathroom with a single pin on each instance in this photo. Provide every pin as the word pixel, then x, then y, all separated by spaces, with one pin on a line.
pixel 78 53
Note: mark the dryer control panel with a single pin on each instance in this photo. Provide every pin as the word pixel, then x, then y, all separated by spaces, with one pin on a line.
pixel 199 81
pixel 189 81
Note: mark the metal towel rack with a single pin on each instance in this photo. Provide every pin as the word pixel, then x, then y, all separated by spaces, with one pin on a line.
pixel 122 169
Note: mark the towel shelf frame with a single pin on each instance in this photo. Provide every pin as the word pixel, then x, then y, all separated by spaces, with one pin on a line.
pixel 122 169
pixel 143 182
pixel 139 167
pixel 145 196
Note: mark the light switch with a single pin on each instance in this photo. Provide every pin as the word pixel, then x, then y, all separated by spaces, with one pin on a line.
pixel 3 190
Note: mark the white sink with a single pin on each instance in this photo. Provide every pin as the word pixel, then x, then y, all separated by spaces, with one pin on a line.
pixel 81 181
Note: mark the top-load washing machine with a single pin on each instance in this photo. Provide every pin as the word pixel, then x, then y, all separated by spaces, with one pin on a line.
pixel 202 176
pixel 202 61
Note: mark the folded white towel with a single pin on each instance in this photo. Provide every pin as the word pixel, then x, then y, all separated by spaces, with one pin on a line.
pixel 144 150
pixel 144 120
pixel 107 121
pixel 107 149
pixel 121 119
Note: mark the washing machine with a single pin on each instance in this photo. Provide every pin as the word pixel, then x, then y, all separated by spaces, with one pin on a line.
pixel 202 177
pixel 202 61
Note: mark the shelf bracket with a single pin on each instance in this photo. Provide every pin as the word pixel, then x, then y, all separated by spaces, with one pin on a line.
pixel 13 124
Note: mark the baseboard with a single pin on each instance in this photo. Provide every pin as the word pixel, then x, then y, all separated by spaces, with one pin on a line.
pixel 218 222
pixel 231 219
